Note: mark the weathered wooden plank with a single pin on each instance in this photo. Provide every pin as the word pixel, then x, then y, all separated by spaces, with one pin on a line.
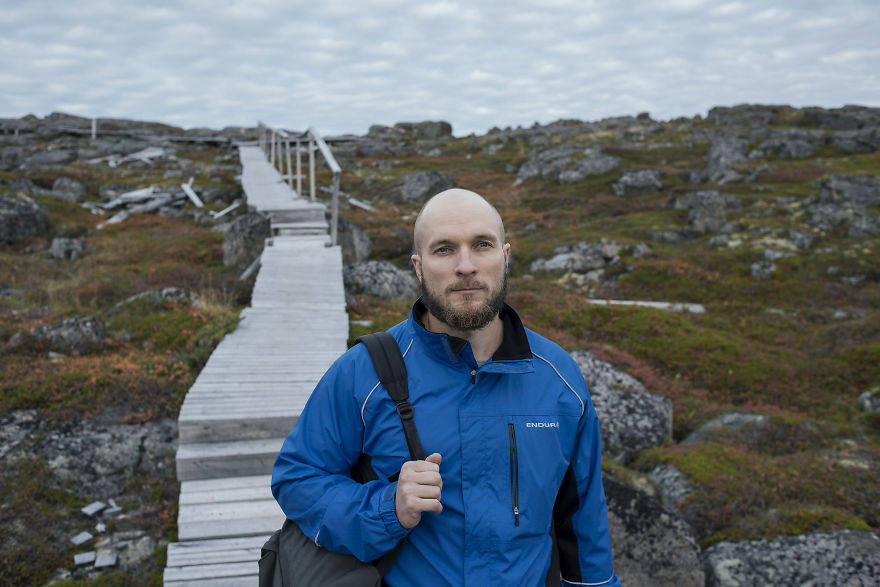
pixel 229 570
pixel 230 482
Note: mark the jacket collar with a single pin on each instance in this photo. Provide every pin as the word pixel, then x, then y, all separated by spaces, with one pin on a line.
pixel 514 354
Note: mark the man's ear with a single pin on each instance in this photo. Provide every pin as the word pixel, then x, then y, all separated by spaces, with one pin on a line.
pixel 417 264
pixel 506 250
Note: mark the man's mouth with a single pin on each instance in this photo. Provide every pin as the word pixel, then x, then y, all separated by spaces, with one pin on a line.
pixel 467 289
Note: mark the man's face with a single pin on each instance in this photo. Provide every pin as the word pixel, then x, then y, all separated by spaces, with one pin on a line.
pixel 461 265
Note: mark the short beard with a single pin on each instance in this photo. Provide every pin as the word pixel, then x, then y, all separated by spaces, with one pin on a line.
pixel 465 320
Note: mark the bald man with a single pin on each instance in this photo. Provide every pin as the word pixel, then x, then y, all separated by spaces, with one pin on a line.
pixel 511 492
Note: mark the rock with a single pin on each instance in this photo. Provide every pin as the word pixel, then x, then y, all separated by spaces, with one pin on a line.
pixel 792 143
pixel 355 243
pixel 847 557
pixel 672 485
pixel 66 248
pixel 21 217
pixel 635 183
pixel 380 279
pixel 802 240
pixel 94 508
pixel 51 158
pixel 865 140
pixel 245 239
pixel 734 423
pixel 81 538
pixel 84 558
pixel 595 162
pixel 746 115
pixel 707 210
pixel 157 297
pixel 79 334
pixel 68 189
pixel 763 269
pixel 632 419
pixel 846 200
pixel 417 188
pixel 580 258
pixel 11 158
pixel 870 401
pixel 726 153
pixel 106 559
pixel 641 250
pixel 651 546
pixel 548 163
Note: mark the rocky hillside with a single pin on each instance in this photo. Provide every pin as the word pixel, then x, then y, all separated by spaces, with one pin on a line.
pixel 739 399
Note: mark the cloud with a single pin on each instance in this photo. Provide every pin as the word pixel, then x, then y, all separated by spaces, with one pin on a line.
pixel 346 64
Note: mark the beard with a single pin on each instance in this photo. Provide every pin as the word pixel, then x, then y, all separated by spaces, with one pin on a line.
pixel 468 318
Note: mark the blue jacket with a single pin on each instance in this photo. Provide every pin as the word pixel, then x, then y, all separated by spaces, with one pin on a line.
pixel 521 455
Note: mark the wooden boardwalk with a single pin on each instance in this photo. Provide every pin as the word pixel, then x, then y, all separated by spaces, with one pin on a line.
pixel 253 387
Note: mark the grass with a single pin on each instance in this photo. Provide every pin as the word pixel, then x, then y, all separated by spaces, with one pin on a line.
pixel 798 348
pixel 142 370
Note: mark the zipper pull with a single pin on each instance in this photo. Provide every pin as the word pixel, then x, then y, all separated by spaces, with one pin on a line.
pixel 473 376
pixel 515 516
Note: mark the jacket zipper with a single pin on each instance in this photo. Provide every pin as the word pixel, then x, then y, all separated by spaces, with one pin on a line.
pixel 473 376
pixel 514 474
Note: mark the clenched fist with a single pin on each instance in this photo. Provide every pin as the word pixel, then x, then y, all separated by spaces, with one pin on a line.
pixel 418 490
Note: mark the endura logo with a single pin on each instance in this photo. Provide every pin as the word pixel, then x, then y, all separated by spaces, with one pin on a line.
pixel 542 424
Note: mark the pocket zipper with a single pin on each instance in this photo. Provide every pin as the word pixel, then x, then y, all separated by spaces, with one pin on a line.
pixel 514 474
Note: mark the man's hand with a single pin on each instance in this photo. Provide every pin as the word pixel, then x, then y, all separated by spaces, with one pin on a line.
pixel 418 490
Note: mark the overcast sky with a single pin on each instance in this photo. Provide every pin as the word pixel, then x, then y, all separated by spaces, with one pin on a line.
pixel 342 65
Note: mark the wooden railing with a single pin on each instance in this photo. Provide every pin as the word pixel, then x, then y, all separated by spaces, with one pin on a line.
pixel 277 145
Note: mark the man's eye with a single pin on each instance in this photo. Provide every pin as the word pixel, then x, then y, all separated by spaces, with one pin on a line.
pixel 484 244
pixel 442 250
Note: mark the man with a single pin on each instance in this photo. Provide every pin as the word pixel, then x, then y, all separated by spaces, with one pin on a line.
pixel 513 473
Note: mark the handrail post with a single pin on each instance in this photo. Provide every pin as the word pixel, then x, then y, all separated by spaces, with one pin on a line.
pixel 334 217
pixel 289 170
pixel 311 167
pixel 299 182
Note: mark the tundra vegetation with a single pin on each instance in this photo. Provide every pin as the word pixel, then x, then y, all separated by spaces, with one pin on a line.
pixel 791 329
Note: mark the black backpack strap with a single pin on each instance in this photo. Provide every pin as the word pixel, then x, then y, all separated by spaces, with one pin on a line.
pixel 391 369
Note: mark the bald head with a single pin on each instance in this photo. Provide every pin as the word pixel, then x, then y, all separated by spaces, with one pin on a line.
pixel 456 201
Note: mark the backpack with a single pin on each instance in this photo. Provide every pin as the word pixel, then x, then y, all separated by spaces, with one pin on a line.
pixel 289 557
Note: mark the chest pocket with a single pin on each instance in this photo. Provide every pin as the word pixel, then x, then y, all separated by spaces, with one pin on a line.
pixel 512 467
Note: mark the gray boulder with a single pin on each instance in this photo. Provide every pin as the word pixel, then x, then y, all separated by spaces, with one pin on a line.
pixel 546 162
pixel 595 162
pixel 864 140
pixel 379 279
pixel 762 269
pixel 66 248
pixel 245 239
pixel 21 217
pixel 847 557
pixel 847 201
pixel 744 115
pixel 417 188
pixel 802 240
pixel 725 154
pixel 870 401
pixel 79 334
pixel 52 158
pixel 580 258
pixel 67 188
pixel 726 424
pixel 673 486
pixel 11 157
pixel 355 243
pixel 634 183
pixel 651 546
pixel 707 210
pixel 157 297
pixel 792 143
pixel 632 419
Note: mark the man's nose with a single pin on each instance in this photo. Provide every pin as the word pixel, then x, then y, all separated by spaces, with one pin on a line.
pixel 465 265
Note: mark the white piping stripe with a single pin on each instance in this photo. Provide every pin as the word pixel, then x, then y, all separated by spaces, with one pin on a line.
pixel 582 409
pixel 363 407
pixel 316 538
pixel 602 583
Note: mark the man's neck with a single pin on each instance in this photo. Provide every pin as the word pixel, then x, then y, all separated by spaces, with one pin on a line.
pixel 484 342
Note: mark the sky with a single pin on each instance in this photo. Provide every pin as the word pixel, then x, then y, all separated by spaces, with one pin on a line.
pixel 344 65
